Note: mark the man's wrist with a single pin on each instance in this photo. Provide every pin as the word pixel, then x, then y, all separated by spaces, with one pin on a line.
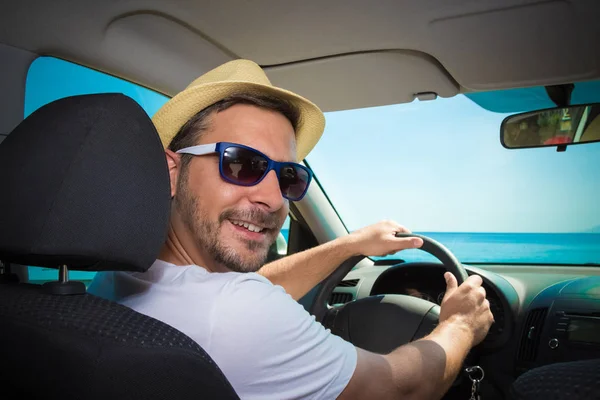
pixel 456 330
pixel 348 245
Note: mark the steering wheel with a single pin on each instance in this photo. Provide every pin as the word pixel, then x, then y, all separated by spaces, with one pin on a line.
pixel 384 322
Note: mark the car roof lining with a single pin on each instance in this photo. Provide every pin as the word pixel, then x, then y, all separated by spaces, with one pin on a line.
pixel 342 54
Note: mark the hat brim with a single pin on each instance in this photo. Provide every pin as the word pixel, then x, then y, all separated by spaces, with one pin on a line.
pixel 181 108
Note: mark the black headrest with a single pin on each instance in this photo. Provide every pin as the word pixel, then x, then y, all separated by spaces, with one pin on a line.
pixel 84 183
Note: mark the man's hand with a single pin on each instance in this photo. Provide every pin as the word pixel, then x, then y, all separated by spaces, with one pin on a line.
pixel 465 306
pixel 379 239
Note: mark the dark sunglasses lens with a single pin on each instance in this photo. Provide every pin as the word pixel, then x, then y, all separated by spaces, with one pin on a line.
pixel 243 166
pixel 293 181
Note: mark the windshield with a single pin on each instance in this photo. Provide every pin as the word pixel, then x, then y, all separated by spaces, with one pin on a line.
pixel 438 168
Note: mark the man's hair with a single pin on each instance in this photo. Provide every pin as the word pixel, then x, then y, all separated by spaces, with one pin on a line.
pixel 190 132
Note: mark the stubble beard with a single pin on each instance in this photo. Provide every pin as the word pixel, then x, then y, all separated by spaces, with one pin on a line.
pixel 206 232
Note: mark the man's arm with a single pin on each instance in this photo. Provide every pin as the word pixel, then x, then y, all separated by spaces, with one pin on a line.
pixel 298 273
pixel 426 368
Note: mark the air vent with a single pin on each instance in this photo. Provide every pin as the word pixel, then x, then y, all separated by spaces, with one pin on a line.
pixel 339 298
pixel 532 331
pixel 348 283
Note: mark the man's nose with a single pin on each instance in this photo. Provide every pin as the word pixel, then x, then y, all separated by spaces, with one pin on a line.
pixel 268 193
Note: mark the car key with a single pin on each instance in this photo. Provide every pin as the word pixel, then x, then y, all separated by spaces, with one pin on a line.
pixel 476 375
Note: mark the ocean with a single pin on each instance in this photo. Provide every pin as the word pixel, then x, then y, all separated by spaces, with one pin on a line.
pixel 543 248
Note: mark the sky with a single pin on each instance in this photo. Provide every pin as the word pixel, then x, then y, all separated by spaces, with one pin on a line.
pixel 435 166
pixel 438 166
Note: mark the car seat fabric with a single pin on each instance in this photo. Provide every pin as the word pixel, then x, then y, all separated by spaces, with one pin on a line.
pixel 574 380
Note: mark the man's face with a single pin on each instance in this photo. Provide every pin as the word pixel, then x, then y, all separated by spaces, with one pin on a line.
pixel 219 214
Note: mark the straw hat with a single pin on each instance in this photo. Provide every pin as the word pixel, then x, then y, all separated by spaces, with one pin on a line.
pixel 235 77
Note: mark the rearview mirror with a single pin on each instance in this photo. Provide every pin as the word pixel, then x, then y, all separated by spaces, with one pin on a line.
pixel 552 127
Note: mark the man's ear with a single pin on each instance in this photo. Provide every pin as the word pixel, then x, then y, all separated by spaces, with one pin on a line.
pixel 174 165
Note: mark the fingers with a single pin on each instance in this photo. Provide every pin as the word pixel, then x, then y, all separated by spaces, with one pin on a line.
pixel 451 284
pixel 380 239
pixel 394 226
pixel 489 310
pixel 482 293
pixel 400 228
pixel 405 242
pixel 388 230
pixel 474 281
pixel 408 243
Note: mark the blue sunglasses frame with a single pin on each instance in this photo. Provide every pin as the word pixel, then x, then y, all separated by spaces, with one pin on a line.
pixel 221 147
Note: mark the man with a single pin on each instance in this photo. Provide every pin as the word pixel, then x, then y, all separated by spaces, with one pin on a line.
pixel 232 141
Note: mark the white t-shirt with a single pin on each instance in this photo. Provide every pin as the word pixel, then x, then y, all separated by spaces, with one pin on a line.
pixel 265 343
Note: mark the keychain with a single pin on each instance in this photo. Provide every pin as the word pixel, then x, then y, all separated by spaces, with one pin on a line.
pixel 476 375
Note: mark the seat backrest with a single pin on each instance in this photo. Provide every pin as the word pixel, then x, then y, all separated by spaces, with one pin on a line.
pixel 86 187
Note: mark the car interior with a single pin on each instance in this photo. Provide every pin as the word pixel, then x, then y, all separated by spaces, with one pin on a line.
pixel 85 184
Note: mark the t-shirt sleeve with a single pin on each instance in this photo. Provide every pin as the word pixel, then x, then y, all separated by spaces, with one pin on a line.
pixel 269 347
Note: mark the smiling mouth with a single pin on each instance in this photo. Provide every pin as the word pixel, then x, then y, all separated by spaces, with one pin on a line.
pixel 248 226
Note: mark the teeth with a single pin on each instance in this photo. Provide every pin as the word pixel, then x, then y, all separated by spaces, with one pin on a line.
pixel 250 227
pixel 253 228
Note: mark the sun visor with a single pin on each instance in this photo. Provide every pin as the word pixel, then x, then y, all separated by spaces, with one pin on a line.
pixel 518 45
pixel 156 49
pixel 365 80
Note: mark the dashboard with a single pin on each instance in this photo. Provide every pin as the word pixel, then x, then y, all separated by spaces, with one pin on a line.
pixel 562 324
pixel 544 314
pixel 513 297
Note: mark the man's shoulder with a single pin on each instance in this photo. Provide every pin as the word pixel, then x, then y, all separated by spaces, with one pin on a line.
pixel 251 281
pixel 249 285
pixel 252 291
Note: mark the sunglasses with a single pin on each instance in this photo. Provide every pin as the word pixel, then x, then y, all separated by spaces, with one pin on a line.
pixel 245 166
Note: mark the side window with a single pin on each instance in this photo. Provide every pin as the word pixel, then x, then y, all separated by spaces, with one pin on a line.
pixel 279 249
pixel 285 230
pixel 50 79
